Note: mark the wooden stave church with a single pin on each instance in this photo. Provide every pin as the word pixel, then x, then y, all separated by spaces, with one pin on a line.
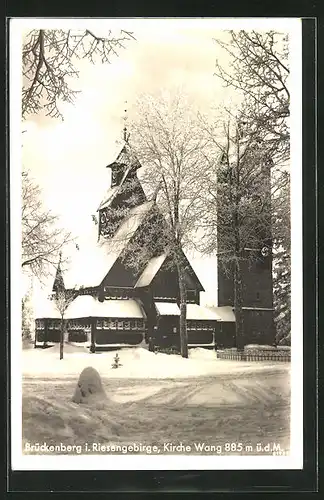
pixel 123 308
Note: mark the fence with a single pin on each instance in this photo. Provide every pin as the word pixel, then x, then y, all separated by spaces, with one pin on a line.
pixel 283 356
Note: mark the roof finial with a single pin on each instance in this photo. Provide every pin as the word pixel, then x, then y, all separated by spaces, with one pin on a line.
pixel 125 122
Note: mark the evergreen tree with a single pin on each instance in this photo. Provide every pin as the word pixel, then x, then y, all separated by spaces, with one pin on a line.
pixel 282 264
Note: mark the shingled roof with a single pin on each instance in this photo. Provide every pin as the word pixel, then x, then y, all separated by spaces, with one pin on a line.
pixel 127 158
pixel 90 265
pixel 150 271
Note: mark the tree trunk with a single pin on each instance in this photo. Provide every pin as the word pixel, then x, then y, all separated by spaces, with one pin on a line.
pixel 45 332
pixel 61 338
pixel 238 285
pixel 93 335
pixel 238 304
pixel 183 313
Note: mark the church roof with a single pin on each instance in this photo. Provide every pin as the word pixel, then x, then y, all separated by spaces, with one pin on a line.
pixel 150 271
pixel 91 264
pixel 86 306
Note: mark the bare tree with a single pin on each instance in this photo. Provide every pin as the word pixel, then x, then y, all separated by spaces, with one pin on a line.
pixel 42 238
pixel 166 141
pixel 258 69
pixel 62 300
pixel 241 184
pixel 49 64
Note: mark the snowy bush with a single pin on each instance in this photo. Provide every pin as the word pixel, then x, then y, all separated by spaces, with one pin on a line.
pixel 167 350
pixel 27 320
pixel 259 347
pixel 285 341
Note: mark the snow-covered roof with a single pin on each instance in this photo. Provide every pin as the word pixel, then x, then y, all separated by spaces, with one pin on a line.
pixel 150 270
pixel 167 309
pixel 91 264
pixel 224 313
pixel 126 156
pixel 109 196
pixel 124 308
pixel 194 311
pixel 46 308
pixel 122 156
pixel 85 306
pixel 113 191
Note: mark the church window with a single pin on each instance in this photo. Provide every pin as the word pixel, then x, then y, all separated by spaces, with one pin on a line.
pixel 113 178
pixel 103 217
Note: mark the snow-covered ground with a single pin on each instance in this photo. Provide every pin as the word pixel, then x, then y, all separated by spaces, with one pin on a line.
pixel 247 407
pixel 136 362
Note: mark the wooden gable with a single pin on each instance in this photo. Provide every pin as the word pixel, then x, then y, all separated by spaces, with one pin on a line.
pixel 164 285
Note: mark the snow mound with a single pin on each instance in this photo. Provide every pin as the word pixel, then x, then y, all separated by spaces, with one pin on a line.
pixel 201 353
pixel 89 386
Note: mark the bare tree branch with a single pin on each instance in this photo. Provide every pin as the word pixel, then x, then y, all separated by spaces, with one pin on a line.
pixel 259 69
pixel 49 64
pixel 42 237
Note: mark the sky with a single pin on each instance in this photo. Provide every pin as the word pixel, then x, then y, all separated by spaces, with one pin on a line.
pixel 68 159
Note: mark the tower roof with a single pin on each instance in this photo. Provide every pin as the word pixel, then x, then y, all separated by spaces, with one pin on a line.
pixel 125 157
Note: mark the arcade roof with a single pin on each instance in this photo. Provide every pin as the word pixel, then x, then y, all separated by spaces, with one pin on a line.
pixel 46 309
pixel 167 309
pixel 224 313
pixel 86 306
